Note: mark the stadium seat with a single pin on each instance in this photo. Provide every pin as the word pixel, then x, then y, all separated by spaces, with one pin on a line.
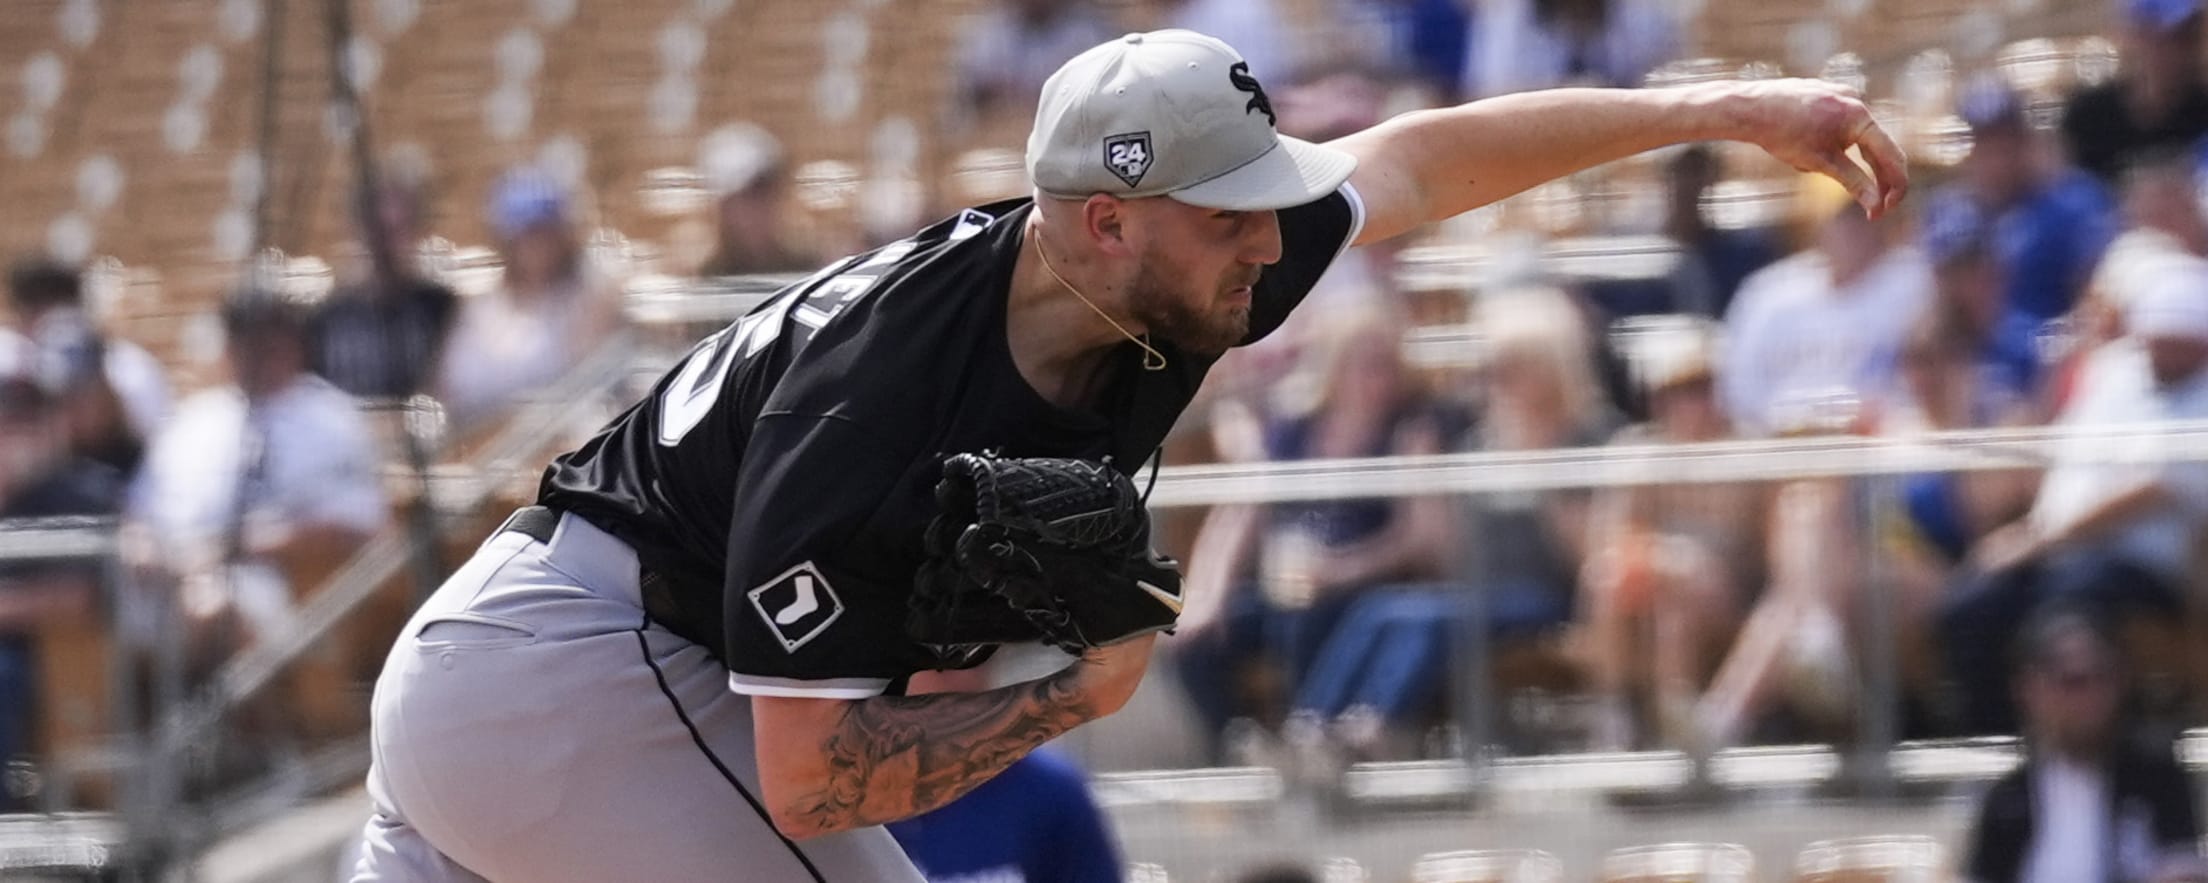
pixel 1488 866
pixel 1885 859
pixel 1680 863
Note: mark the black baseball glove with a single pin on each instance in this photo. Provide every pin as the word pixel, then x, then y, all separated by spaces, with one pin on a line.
pixel 1040 549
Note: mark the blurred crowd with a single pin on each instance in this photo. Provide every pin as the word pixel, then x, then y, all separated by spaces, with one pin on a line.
pixel 2057 274
pixel 2053 276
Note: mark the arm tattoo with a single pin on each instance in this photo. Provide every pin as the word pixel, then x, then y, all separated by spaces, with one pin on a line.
pixel 897 756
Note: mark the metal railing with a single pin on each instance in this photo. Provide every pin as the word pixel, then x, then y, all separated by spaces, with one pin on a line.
pixel 152 825
pixel 516 451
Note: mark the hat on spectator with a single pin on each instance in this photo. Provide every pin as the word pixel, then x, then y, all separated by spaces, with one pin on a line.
pixel 525 198
pixel 1955 229
pixel 2160 15
pixel 2173 303
pixel 1669 350
pixel 1172 113
pixel 737 157
pixel 1988 103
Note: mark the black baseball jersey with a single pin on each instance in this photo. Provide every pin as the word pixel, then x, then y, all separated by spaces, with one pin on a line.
pixel 777 480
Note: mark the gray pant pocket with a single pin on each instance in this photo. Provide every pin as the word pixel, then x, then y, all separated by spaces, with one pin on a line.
pixel 466 631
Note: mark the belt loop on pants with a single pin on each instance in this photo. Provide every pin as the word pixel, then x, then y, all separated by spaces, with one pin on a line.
pixel 535 522
pixel 700 623
pixel 599 561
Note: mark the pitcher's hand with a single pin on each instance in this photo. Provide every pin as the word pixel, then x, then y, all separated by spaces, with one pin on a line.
pixel 1811 124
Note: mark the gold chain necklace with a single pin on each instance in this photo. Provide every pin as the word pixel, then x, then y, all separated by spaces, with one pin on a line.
pixel 1152 360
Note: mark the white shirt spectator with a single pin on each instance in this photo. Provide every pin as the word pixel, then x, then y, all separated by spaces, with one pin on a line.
pixel 140 383
pixel 501 350
pixel 1792 332
pixel 2137 258
pixel 2116 392
pixel 1513 51
pixel 304 456
pixel 2073 823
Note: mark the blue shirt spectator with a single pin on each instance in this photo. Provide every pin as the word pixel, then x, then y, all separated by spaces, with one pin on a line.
pixel 2049 243
pixel 1974 275
pixel 1426 39
pixel 1033 823
pixel 2049 225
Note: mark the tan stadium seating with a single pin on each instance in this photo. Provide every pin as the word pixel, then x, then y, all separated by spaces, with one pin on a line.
pixel 1488 866
pixel 1680 863
pixel 1886 859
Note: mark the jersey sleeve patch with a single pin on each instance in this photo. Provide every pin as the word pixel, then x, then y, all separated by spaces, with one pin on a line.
pixel 797 605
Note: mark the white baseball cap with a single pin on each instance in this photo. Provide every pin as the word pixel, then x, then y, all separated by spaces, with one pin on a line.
pixel 1172 113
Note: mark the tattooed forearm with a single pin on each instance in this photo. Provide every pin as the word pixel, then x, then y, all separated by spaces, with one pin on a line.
pixel 896 756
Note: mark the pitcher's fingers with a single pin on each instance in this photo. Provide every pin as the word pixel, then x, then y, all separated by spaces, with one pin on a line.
pixel 1851 176
pixel 1888 163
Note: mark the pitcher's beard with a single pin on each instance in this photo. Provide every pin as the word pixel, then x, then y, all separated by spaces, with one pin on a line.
pixel 1189 329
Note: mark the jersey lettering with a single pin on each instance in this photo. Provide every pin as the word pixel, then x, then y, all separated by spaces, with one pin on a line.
pixel 694 390
pixel 811 304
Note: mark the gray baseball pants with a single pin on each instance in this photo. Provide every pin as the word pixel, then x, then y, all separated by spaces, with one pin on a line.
pixel 531 724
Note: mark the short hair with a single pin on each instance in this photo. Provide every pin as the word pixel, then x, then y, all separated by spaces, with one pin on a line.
pixel 2154 167
pixel 1280 873
pixel 2046 629
pixel 1697 157
pixel 39 283
pixel 259 308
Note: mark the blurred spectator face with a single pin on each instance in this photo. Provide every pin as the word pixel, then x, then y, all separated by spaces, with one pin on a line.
pixel 2176 359
pixel 748 218
pixel 2164 195
pixel 1850 243
pixel 2000 168
pixel 1938 366
pixel 399 210
pixel 1966 273
pixel 1674 358
pixel 2070 692
pixel 539 256
pixel 267 350
pixel 529 213
pixel 1370 367
pixel 1687 408
pixel 1539 375
pixel 1972 284
pixel 1525 382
